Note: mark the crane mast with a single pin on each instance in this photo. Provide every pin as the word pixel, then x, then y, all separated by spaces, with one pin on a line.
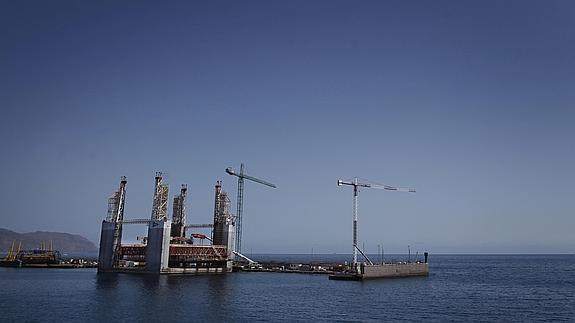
pixel 239 210
pixel 356 185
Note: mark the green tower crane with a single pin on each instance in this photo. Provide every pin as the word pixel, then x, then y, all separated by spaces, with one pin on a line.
pixel 241 177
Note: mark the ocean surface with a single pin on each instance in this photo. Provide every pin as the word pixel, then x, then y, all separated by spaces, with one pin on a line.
pixel 518 288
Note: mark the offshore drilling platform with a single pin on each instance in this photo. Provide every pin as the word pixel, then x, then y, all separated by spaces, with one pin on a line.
pixel 166 249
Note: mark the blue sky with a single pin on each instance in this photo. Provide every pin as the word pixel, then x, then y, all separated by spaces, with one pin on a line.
pixel 470 102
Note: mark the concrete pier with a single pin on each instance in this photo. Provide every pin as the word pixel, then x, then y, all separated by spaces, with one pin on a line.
pixel 393 270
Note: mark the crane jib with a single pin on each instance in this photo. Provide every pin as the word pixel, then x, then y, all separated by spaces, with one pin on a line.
pixel 230 171
pixel 257 180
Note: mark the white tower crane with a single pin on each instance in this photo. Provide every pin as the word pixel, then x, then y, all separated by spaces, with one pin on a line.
pixel 356 185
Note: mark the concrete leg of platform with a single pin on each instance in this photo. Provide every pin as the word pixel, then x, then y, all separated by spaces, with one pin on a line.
pixel 106 252
pixel 158 247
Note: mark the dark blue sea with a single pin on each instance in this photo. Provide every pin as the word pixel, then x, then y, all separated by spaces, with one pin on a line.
pixel 517 288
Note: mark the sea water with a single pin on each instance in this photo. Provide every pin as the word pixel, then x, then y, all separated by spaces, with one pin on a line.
pixel 459 288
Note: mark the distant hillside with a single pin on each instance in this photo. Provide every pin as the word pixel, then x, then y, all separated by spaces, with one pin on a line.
pixel 64 242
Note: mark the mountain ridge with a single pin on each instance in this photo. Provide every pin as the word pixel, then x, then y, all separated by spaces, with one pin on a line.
pixel 64 242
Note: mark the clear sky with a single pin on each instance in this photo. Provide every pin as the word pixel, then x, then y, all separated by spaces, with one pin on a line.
pixel 470 102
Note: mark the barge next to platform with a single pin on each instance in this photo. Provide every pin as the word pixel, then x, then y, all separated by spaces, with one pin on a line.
pixel 389 270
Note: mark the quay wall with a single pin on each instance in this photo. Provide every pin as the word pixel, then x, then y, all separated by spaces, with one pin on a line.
pixel 394 270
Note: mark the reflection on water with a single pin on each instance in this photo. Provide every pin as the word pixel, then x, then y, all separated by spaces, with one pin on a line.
pixel 106 281
pixel 172 295
pixel 219 291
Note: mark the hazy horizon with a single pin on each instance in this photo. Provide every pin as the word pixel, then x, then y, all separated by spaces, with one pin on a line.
pixel 469 102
